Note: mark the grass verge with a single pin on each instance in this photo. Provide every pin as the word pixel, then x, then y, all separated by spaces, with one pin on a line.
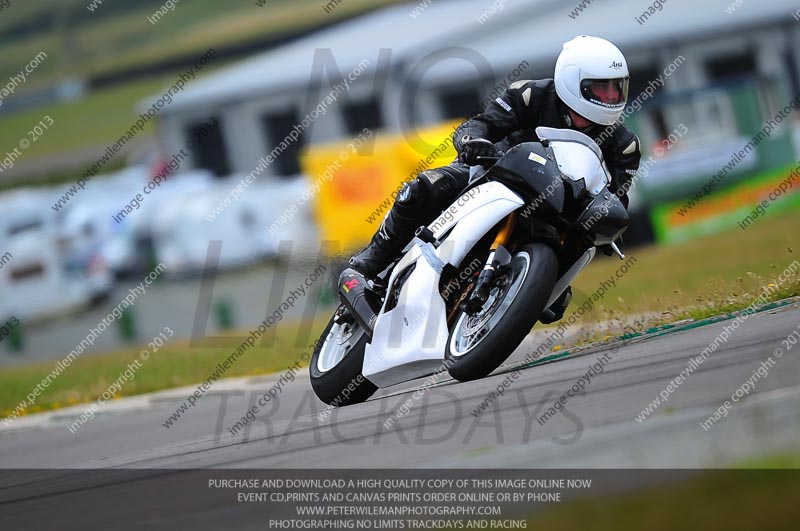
pixel 99 118
pixel 119 35
pixel 781 461
pixel 175 365
pixel 715 500
pixel 711 276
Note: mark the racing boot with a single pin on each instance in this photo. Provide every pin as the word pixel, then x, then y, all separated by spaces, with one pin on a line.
pixel 556 310
pixel 386 245
pixel 396 230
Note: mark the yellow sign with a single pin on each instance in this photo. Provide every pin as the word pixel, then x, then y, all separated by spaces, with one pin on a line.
pixel 361 179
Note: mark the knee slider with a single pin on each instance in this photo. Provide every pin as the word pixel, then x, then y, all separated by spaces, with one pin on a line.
pixel 443 185
pixel 409 194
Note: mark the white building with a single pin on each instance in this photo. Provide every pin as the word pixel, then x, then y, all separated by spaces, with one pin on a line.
pixel 442 62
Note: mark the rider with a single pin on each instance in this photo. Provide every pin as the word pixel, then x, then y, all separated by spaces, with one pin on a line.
pixel 588 93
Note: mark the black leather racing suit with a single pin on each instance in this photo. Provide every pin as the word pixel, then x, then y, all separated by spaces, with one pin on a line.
pixel 513 117
pixel 509 120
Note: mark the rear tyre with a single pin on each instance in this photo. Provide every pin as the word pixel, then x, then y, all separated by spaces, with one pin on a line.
pixel 336 365
pixel 478 344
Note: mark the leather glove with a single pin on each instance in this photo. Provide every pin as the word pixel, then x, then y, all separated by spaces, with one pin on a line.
pixel 474 148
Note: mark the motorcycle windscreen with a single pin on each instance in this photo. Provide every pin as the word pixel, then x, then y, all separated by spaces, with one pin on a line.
pixel 578 157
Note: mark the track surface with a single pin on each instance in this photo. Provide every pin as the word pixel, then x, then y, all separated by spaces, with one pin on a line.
pixel 596 429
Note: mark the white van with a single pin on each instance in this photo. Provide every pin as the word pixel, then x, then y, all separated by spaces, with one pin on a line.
pixel 182 233
pixel 34 279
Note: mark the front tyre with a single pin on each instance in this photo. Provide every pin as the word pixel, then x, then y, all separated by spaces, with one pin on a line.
pixel 479 343
pixel 336 364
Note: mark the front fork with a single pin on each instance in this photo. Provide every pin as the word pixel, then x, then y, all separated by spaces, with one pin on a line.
pixel 498 257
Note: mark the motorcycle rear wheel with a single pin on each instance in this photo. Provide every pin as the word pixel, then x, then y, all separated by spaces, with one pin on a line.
pixel 336 365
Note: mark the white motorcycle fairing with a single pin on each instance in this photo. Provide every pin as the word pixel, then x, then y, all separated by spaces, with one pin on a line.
pixel 409 340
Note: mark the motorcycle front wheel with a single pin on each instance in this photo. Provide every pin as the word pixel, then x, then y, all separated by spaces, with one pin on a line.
pixel 479 343
pixel 336 365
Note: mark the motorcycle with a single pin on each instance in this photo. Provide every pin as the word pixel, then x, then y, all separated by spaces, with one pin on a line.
pixel 471 285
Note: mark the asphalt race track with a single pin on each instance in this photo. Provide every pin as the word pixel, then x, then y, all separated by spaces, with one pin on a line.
pixel 596 429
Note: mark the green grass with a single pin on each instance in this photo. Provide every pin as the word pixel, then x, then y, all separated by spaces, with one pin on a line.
pixel 118 35
pixel 60 177
pixel 704 277
pixel 175 365
pixel 93 122
pixel 765 500
pixel 97 120
pixel 668 279
pixel 781 461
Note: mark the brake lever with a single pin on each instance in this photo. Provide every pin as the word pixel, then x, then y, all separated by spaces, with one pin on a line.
pixel 617 251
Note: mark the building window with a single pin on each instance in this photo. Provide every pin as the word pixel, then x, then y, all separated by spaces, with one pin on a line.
pixel 210 153
pixel 362 114
pixel 731 67
pixel 790 60
pixel 641 78
pixel 459 102
pixel 277 126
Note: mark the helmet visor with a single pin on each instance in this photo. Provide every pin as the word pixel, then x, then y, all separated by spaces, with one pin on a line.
pixel 606 92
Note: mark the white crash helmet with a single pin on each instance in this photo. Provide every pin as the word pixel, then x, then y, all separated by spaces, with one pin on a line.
pixel 592 79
